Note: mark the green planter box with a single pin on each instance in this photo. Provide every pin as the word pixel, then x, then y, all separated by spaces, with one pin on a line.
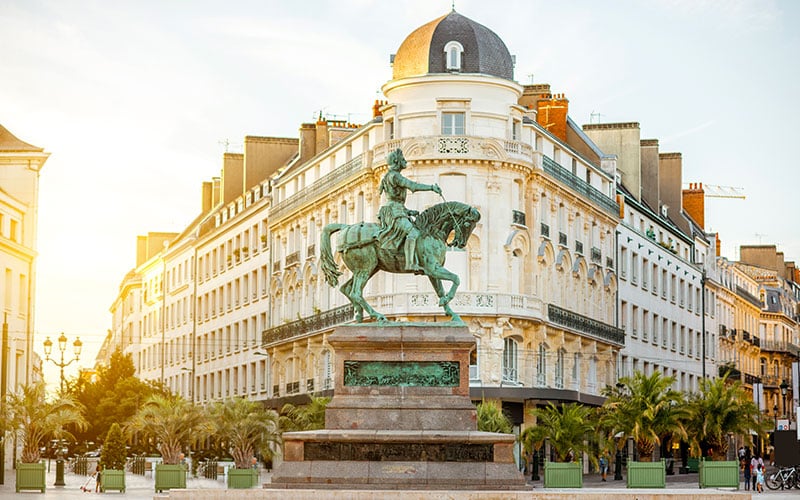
pixel 563 475
pixel 30 476
pixel 112 479
pixel 242 478
pixel 723 474
pixel 647 474
pixel 170 476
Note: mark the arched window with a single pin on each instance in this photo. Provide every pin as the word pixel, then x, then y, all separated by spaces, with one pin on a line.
pixel 453 51
pixel 510 360
pixel 560 369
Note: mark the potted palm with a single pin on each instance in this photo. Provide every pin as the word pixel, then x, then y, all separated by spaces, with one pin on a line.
pixel 245 428
pixel 492 419
pixel 647 410
pixel 721 409
pixel 112 460
pixel 566 427
pixel 34 419
pixel 173 424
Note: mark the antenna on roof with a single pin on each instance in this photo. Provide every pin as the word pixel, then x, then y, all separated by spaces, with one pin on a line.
pixel 592 116
pixel 530 75
pixel 225 143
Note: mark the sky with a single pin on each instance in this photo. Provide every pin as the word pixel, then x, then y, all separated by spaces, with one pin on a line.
pixel 137 101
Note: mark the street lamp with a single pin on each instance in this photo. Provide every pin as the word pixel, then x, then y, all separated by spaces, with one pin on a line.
pixel 775 413
pixel 784 387
pixel 62 347
pixel 618 458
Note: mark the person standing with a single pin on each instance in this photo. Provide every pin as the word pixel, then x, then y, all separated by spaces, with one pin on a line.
pixel 746 468
pixel 760 478
pixel 603 466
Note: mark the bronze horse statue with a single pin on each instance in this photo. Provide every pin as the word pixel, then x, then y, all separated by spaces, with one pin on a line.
pixel 364 255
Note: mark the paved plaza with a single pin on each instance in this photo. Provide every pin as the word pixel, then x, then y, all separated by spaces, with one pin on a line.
pixel 141 488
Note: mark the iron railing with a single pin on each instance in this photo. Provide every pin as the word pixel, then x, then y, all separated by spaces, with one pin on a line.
pixel 584 324
pixel 545 229
pixel 578 247
pixel 562 239
pixel 518 217
pixel 309 324
pixel 564 176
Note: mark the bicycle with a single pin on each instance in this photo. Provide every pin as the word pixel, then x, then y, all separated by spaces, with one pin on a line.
pixel 784 478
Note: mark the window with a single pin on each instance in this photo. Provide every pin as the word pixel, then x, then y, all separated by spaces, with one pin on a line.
pixel 453 51
pixel 510 360
pixel 452 123
pixel 541 366
pixel 560 369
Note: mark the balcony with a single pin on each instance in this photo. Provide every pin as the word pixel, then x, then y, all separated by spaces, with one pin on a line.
pixel 733 372
pixel 579 247
pixel 339 176
pixel 609 263
pixel 518 217
pixel 309 324
pixel 457 146
pixel 292 259
pixel 745 335
pixel 585 325
pixel 580 186
pixel 780 346
pixel 751 379
pixel 545 229
pixel 562 239
pixel 311 251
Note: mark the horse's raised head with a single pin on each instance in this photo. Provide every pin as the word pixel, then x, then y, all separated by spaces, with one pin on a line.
pixel 466 224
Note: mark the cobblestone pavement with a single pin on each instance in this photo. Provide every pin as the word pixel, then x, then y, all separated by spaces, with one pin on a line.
pixel 141 487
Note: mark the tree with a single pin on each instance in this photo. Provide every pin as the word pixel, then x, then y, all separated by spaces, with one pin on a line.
pixel 245 427
pixel 646 409
pixel 567 426
pixel 492 419
pixel 114 454
pixel 172 422
pixel 721 408
pixel 35 419
pixel 307 417
pixel 114 395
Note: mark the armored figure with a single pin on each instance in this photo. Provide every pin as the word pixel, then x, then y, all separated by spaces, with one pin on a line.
pixel 397 227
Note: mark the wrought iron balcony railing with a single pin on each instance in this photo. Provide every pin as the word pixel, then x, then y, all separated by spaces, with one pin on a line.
pixel 309 324
pixel 584 324
pixel 579 247
pixel 562 239
pixel 564 176
pixel 518 217
pixel 545 229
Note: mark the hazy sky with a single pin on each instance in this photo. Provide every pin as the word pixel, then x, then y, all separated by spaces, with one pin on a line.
pixel 135 98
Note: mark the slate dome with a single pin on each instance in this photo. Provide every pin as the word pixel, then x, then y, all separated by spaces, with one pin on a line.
pixel 423 51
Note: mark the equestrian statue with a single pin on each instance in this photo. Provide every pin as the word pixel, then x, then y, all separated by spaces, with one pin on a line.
pixel 404 241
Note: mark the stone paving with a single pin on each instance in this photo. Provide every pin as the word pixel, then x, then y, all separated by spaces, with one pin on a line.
pixel 141 488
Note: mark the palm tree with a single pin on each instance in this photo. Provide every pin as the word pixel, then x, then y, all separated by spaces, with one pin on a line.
pixel 566 426
pixel 172 422
pixel 35 419
pixel 721 408
pixel 308 417
pixel 646 409
pixel 245 427
pixel 492 419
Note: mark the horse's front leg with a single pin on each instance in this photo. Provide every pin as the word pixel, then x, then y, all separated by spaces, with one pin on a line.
pixel 360 279
pixel 436 274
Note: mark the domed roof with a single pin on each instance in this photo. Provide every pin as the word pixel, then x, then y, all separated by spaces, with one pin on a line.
pixel 423 51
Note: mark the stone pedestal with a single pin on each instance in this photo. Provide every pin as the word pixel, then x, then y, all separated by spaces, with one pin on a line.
pixel 400 418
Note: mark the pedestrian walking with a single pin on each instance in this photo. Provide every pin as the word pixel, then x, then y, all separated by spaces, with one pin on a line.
pixel 747 469
pixel 760 479
pixel 603 466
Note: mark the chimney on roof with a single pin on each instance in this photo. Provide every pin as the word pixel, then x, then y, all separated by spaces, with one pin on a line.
pixel 694 203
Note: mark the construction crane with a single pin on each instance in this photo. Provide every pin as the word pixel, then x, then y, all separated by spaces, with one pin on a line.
pixel 714 191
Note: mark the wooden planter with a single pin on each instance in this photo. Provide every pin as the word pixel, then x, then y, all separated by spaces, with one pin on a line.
pixel 563 475
pixel 112 479
pixel 170 476
pixel 647 474
pixel 723 474
pixel 30 476
pixel 242 478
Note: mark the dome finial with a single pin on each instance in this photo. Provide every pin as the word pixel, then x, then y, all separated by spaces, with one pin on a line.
pixel 453 5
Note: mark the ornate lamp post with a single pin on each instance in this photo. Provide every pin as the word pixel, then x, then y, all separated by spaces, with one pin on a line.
pixel 784 388
pixel 62 347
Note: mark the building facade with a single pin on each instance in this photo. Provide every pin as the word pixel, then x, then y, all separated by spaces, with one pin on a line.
pixel 20 165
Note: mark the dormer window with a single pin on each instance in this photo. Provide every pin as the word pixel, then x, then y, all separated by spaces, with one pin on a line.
pixel 452 51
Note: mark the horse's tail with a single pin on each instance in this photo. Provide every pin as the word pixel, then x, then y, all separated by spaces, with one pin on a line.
pixel 329 267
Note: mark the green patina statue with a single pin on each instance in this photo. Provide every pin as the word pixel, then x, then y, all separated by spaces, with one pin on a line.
pixel 403 242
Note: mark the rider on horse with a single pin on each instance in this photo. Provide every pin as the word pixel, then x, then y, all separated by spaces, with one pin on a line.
pixel 394 217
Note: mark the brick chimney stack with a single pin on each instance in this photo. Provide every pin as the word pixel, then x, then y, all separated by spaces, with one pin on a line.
pixel 694 203
pixel 551 113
